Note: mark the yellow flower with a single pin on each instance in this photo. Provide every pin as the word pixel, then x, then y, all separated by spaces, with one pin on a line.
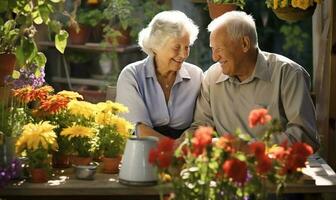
pixel 82 108
pixel 70 94
pixel 283 3
pixel 123 126
pixel 78 131
pixel 114 107
pixel 35 136
pixel 275 4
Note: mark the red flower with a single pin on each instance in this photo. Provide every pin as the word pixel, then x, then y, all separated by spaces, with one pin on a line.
pixel 259 116
pixel 257 148
pixel 54 103
pixel 302 149
pixel 162 155
pixel 202 137
pixel 235 169
pixel 264 164
pixel 152 156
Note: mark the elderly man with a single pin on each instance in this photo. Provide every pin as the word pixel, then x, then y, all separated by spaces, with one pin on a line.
pixel 245 78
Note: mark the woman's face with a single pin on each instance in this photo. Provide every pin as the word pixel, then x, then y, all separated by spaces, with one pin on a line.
pixel 173 53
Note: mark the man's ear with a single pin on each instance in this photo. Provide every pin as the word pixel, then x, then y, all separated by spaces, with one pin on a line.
pixel 246 43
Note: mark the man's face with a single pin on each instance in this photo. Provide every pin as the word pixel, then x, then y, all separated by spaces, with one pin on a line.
pixel 226 51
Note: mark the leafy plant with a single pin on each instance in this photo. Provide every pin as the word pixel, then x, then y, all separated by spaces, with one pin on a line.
pixel 239 3
pixel 19 28
pixel 89 17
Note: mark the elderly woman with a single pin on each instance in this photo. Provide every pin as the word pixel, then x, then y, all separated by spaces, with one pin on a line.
pixel 160 91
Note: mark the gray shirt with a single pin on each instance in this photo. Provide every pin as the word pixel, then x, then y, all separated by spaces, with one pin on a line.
pixel 139 90
pixel 277 83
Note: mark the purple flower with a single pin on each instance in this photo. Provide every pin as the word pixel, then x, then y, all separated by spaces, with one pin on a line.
pixel 27 77
pixel 10 172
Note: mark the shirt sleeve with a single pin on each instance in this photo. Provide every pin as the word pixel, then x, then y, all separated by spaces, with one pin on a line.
pixel 299 109
pixel 203 114
pixel 128 94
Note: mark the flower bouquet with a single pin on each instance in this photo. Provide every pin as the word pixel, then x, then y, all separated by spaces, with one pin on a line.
pixel 293 10
pixel 36 143
pixel 113 132
pixel 231 166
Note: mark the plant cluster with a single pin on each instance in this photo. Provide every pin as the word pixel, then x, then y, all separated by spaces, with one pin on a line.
pixel 239 3
pixel 18 29
pixel 302 4
pixel 231 166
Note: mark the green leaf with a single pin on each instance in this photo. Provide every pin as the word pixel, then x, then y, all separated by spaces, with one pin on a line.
pixel 56 1
pixel 55 26
pixel 16 74
pixel 40 60
pixel 37 17
pixel 61 40
pixel 26 51
pixel 3 6
pixel 45 12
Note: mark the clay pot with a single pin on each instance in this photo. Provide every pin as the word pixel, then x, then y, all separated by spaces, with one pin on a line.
pixel 39 175
pixel 7 63
pixel 77 160
pixel 111 165
pixel 80 37
pixel 60 161
pixel 216 10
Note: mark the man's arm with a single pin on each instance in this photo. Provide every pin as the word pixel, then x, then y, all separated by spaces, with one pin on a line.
pixel 298 108
pixel 203 114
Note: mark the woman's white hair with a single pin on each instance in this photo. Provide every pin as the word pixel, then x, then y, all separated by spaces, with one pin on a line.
pixel 237 25
pixel 165 25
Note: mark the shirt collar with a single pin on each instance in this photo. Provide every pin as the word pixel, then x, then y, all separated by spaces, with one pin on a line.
pixel 261 70
pixel 150 71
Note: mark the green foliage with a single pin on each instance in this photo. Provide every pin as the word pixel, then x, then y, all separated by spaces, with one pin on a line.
pixel 18 30
pixel 240 3
pixel 37 158
pixel 89 17
pixel 110 142
pixel 295 39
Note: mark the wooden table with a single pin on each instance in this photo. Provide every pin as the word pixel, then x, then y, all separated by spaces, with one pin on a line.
pixel 105 186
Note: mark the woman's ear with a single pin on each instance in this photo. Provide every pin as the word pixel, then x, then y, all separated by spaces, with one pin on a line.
pixel 246 43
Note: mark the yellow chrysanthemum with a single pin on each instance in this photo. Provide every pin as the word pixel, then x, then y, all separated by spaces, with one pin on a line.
pixel 82 108
pixel 275 4
pixel 114 107
pixel 103 118
pixel 283 3
pixel 70 94
pixel 78 131
pixel 123 126
pixel 35 136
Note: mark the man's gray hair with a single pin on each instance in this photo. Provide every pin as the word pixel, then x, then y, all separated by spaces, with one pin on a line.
pixel 237 24
pixel 165 25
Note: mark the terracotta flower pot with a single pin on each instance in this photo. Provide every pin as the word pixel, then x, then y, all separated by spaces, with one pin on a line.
pixel 77 160
pixel 111 165
pixel 291 14
pixel 80 37
pixel 216 10
pixel 7 63
pixel 39 175
pixel 60 161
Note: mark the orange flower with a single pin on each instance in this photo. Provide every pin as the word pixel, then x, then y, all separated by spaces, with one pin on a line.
pixel 259 116
pixel 29 94
pixel 226 142
pixel 53 104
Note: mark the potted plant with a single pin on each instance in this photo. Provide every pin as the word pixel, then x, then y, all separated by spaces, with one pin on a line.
pixel 113 131
pixel 219 7
pixel 292 11
pixel 79 129
pixel 36 141
pixel 18 30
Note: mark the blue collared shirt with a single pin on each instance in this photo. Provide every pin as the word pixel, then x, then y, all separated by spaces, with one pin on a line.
pixel 139 90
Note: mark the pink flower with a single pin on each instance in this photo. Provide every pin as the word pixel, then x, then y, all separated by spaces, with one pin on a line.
pixel 259 116
pixel 202 138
